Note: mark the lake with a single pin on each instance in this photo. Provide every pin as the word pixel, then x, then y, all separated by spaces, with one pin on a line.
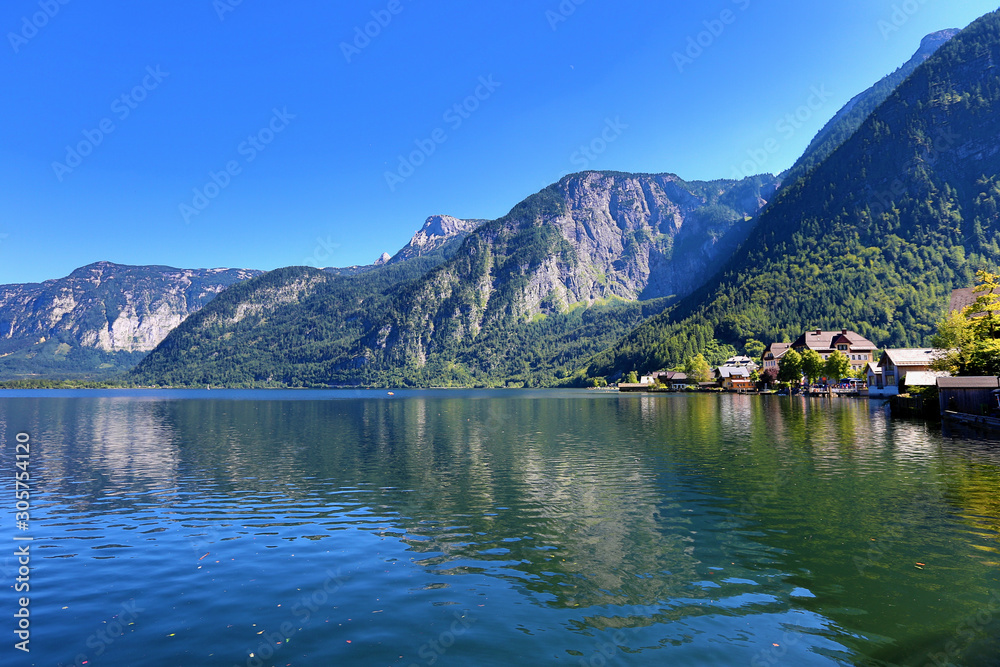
pixel 240 528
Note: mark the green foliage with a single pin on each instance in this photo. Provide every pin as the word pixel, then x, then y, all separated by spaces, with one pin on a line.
pixel 790 367
pixel 812 365
pixel 63 384
pixel 697 368
pixel 971 337
pixel 632 378
pixel 754 348
pixel 58 360
pixel 837 366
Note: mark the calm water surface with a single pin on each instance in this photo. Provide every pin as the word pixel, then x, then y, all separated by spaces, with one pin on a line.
pixel 498 528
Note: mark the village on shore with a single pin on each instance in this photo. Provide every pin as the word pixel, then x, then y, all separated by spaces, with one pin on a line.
pixel 845 364
pixel 869 373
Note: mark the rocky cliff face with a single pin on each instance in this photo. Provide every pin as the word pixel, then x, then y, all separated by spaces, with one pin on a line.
pixel 108 307
pixel 589 238
pixel 642 237
pixel 437 231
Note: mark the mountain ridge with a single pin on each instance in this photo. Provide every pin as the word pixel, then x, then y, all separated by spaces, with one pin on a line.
pixel 595 239
pixel 849 118
pixel 872 239
pixel 100 318
pixel 596 249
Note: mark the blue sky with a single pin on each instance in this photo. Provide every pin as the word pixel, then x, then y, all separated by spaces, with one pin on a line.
pixel 238 133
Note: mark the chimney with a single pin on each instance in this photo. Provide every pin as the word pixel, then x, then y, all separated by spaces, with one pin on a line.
pixel 819 332
pixel 843 331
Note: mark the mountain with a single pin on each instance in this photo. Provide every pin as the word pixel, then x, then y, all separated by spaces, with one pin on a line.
pixel 101 318
pixel 524 299
pixel 437 231
pixel 440 233
pixel 847 121
pixel 874 238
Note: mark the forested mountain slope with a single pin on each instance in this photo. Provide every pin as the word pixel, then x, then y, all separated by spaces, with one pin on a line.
pixel 874 238
pixel 523 299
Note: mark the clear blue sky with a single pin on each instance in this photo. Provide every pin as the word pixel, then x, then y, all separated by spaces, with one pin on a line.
pixel 184 85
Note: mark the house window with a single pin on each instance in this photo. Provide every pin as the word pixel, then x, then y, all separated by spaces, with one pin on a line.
pixel 842 348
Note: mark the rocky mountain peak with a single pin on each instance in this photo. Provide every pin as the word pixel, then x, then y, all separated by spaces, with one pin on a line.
pixel 445 226
pixel 934 41
pixel 437 231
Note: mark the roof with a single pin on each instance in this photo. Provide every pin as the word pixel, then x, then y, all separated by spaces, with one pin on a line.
pixel 671 375
pixel 968 383
pixel 777 350
pixel 924 356
pixel 873 368
pixel 828 340
pixel 738 361
pixel 922 378
pixel 733 371
pixel 963 298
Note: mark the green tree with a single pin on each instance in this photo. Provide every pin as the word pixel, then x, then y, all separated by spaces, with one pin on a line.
pixel 971 338
pixel 755 348
pixel 697 369
pixel 812 365
pixel 954 336
pixel 790 367
pixel 715 352
pixel 837 366
pixel 632 378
